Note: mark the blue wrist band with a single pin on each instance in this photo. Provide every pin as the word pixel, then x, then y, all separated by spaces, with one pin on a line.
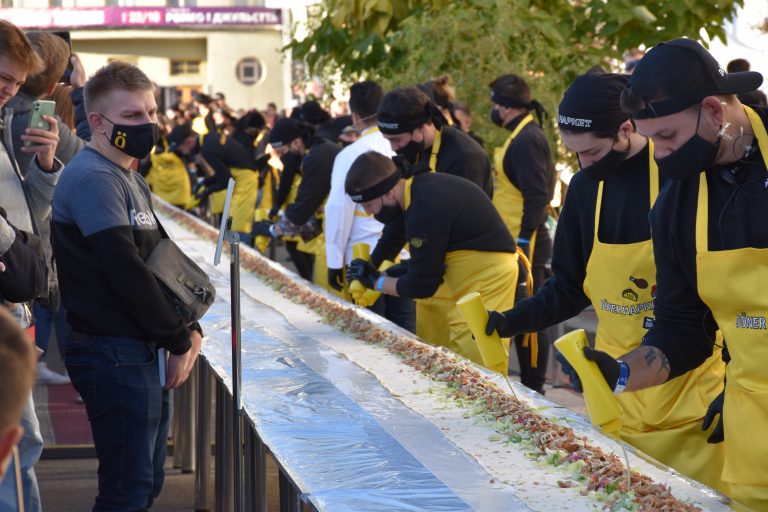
pixel 379 284
pixel 523 241
pixel 272 231
pixel 623 377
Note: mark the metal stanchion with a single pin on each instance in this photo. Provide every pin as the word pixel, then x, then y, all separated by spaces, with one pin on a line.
pixel 227 496
pixel 203 451
pixel 260 485
pixel 233 237
pixel 187 422
pixel 176 433
pixel 220 482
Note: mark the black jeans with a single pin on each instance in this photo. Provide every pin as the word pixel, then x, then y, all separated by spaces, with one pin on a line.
pixel 398 310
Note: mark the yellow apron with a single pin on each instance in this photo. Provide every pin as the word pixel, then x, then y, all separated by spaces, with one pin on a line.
pixel 243 207
pixel 507 198
pixel 664 421
pixel 169 178
pixel 493 274
pixel 431 312
pixel 218 199
pixel 732 283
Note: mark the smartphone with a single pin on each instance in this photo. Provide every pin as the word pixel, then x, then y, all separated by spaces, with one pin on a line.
pixel 39 109
pixel 67 72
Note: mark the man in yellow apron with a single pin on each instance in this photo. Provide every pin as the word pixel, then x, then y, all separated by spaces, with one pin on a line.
pixel 166 170
pixel 524 183
pixel 418 133
pixel 603 256
pixel 303 216
pixel 229 158
pixel 455 235
pixel 711 246
pixel 346 223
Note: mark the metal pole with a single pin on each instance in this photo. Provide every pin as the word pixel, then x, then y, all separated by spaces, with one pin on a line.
pixel 188 425
pixel 203 475
pixel 220 483
pixel 233 238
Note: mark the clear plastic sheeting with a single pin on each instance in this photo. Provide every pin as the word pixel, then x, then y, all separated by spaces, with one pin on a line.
pixel 344 440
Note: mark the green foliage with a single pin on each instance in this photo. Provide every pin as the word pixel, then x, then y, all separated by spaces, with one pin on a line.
pixel 549 42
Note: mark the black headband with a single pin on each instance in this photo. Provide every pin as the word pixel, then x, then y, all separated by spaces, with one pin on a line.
pixel 378 189
pixel 510 102
pixel 392 126
pixel 592 102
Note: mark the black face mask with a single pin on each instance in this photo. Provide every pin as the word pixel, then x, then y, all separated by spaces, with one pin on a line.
pixel 496 117
pixel 604 167
pixel 136 140
pixel 388 213
pixel 689 159
pixel 411 151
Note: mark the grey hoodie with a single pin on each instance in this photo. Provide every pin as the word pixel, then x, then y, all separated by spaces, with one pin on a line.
pixel 69 143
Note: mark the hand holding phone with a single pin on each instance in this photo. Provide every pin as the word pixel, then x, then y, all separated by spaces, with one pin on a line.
pixel 42 134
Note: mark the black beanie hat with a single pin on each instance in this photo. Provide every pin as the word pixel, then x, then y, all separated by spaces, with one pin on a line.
pixel 592 102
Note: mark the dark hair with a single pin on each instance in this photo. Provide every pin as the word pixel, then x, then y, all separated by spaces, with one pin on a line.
pixel 367 170
pixel 116 75
pixel 17 370
pixel 54 52
pixel 512 86
pixel 439 91
pixel 738 66
pixel 64 107
pixel 404 103
pixel 365 98
pixel 462 107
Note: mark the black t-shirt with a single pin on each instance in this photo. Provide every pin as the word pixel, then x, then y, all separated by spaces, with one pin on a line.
pixel 528 165
pixel 623 220
pixel 684 328
pixel 460 155
pixel 316 169
pixel 447 214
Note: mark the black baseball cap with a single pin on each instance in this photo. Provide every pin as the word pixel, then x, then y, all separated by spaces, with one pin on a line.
pixel 678 74
pixel 285 131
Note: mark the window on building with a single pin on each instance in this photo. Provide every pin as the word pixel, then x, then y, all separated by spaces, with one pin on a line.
pixel 249 71
pixel 185 67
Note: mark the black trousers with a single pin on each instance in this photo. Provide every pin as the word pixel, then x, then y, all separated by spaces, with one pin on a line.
pixel 303 262
pixel 398 310
pixel 534 377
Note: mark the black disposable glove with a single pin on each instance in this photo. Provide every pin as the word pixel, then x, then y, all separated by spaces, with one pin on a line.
pixel 715 409
pixel 609 367
pixel 498 322
pixel 362 271
pixel 273 212
pixel 261 228
pixel 571 372
pixel 200 191
pixel 336 278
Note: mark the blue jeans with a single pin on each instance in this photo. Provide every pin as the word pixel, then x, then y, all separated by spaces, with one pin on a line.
pixel 129 413
pixel 30 448
pixel 44 320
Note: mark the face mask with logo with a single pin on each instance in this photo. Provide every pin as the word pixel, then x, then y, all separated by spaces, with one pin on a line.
pixel 136 140
pixel 604 167
pixel 411 151
pixel 696 155
pixel 496 117
pixel 388 213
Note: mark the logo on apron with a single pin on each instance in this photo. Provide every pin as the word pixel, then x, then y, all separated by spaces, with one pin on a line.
pixel 630 294
pixel 417 242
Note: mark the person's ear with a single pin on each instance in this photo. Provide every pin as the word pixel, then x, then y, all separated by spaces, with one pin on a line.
pixel 50 90
pixel 626 129
pixel 713 111
pixel 9 438
pixel 97 122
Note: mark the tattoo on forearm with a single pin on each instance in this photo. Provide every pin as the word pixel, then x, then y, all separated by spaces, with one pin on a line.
pixel 652 355
pixel 664 363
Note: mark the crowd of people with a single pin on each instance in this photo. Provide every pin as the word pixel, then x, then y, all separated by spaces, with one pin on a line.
pixel 396 205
